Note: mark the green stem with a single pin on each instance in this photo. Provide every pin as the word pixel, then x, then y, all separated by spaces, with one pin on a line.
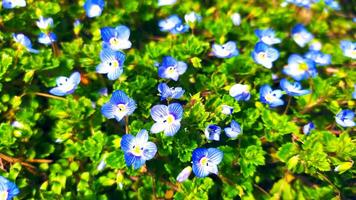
pixel 288 104
pixel 50 96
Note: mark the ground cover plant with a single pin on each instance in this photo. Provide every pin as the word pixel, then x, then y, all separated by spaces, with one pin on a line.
pixel 174 99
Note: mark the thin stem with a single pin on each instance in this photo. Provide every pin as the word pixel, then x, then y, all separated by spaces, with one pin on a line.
pixel 126 124
pixel 288 104
pixel 50 96
pixel 262 190
pixel 327 180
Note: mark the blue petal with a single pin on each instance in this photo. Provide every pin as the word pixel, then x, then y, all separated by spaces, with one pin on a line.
pixel 264 90
pixel 176 109
pixel 200 171
pixel 126 142
pixel 131 106
pixel 149 151
pixel 215 155
pixel 168 61
pixel 123 32
pixel 108 110
pixel 107 33
pixel 119 97
pixel 181 67
pixel 198 153
pixel 75 78
pixel 57 91
pixel 139 163
pixel 113 75
pixel 107 55
pixel 142 137
pixel 172 129
pixel 235 126
pixel 159 112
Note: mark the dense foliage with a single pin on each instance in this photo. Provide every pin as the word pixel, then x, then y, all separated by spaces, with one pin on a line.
pixel 65 145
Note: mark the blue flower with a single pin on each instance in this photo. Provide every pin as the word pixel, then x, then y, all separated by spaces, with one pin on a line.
pixel 354 93
pixel 116 38
pixel 24 41
pixel 300 68
pixel 166 2
pixel 212 132
pixel 184 174
pixel 308 127
pixel 9 4
pixel 119 106
pixel 293 89
pixel 318 57
pixel 44 23
pixel 267 36
pixel 226 50
pixel 348 48
pixel 315 45
pixel 271 97
pixel 94 8
pixel 240 92
pixel 112 63
pixel 345 118
pixel 167 118
pixel 227 110
pixel 333 4
pixel 166 92
pixel 265 55
pixel 137 149
pixel 173 24
pixel 236 19
pixel 47 38
pixel 205 161
pixel 234 130
pixel 192 17
pixel 170 68
pixel 301 35
pixel 66 85
pixel 8 189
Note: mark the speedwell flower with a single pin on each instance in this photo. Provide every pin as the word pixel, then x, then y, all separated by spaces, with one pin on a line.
pixel 119 106
pixel 137 149
pixel 212 132
pixel 226 50
pixel 47 38
pixel 170 68
pixel 271 97
pixel 94 8
pixel 265 55
pixel 24 41
pixel 184 174
pixel 112 63
pixel 348 48
pixel 267 36
pixel 234 130
pixel 44 23
pixel 308 127
pixel 227 110
pixel 318 57
pixel 9 4
pixel 205 161
pixel 301 35
pixel 8 189
pixel 192 17
pixel 116 38
pixel 166 92
pixel 300 68
pixel 240 92
pixel 173 24
pixel 293 89
pixel 66 85
pixel 315 45
pixel 167 118
pixel 345 118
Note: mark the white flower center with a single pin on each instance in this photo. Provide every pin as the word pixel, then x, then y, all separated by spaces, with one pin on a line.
pixel 3 195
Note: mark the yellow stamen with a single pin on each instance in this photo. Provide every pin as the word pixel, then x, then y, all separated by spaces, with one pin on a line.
pixel 204 161
pixel 303 66
pixel 114 41
pixel 170 119
pixel 137 151
pixel 122 107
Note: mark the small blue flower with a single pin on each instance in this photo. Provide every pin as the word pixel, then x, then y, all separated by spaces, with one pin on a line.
pixel 348 48
pixel 293 89
pixel 119 106
pixel 318 57
pixel 265 55
pixel 170 68
pixel 137 149
pixel 47 38
pixel 205 161
pixel 300 68
pixel 173 24
pixel 227 110
pixel 267 36
pixel 112 63
pixel 240 92
pixel 236 19
pixel 9 4
pixel 103 91
pixel 166 2
pixel 167 118
pixel 94 8
pixel 24 41
pixel 66 85
pixel 315 45
pixel 271 97
pixel 333 4
pixel 184 174
pixel 354 93
pixel 166 92
pixel 308 127
pixel 192 17
pixel 226 50
pixel 44 23
pixel 234 130
pixel 301 35
pixel 345 118
pixel 212 132
pixel 116 38
pixel 8 189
